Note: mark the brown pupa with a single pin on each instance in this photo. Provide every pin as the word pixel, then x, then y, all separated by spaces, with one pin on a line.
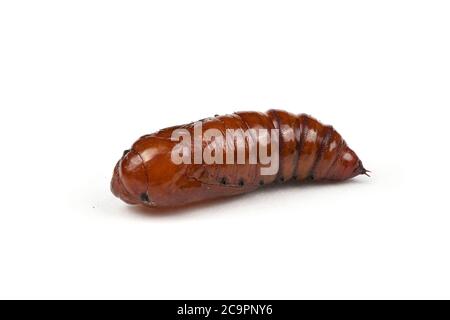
pixel 308 150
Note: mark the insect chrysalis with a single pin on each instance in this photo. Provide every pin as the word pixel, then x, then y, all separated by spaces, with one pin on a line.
pixel 229 155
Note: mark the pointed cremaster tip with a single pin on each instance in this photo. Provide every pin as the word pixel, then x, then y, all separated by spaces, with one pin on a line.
pixel 363 170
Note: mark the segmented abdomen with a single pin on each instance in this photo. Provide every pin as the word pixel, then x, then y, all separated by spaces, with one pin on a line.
pixel 308 150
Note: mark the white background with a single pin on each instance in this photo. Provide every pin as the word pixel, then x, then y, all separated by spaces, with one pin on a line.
pixel 80 81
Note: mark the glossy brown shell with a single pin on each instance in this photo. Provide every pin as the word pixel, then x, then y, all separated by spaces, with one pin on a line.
pixel 308 150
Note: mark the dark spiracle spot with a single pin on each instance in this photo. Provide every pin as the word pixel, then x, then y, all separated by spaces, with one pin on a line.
pixel 282 179
pixel 261 182
pixel 241 182
pixel 223 181
pixel 144 197
pixel 125 152
pixel 294 177
pixel 311 178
